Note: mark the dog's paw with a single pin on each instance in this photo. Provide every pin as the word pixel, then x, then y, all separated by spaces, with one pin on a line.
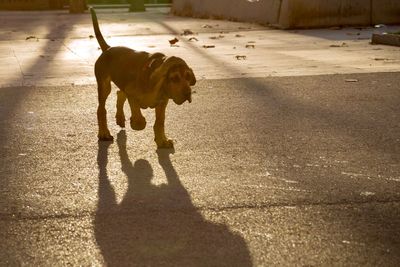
pixel 138 123
pixel 167 144
pixel 120 119
pixel 105 137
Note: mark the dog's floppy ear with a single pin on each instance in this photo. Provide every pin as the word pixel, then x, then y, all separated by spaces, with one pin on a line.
pixel 161 72
pixel 192 77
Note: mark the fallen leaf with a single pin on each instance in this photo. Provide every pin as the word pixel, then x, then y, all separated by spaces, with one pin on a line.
pixel 187 32
pixel 238 57
pixel 173 41
pixel 31 37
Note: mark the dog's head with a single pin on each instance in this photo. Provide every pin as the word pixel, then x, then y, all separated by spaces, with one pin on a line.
pixel 175 77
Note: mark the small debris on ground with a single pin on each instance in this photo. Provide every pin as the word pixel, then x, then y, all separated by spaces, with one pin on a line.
pixel 207 26
pixel 208 46
pixel 217 37
pixel 250 46
pixel 337 45
pixel 32 37
pixel 367 193
pixel 336 28
pixel 193 39
pixel 187 32
pixel 91 36
pixel 380 26
pixel 351 80
pixel 239 35
pixel 173 41
pixel 240 57
pixel 380 59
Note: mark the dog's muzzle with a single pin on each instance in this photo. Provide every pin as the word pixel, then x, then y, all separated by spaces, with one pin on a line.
pixel 183 99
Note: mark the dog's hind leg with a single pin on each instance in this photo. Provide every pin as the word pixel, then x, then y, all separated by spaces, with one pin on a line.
pixel 120 116
pixel 104 89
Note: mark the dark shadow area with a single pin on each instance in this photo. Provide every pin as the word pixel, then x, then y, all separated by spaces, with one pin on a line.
pixel 11 98
pixel 158 225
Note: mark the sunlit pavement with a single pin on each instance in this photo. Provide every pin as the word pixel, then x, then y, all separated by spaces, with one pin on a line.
pixel 289 170
pixel 54 48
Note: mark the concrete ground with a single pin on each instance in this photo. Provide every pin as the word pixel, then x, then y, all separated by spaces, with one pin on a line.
pixel 277 161
pixel 56 48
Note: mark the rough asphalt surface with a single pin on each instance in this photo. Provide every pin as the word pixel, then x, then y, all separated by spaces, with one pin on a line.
pixel 298 171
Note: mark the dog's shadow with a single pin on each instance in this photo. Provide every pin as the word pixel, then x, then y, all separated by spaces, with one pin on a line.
pixel 158 225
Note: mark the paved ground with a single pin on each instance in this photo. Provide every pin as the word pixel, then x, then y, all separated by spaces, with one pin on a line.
pixel 292 171
pixel 60 51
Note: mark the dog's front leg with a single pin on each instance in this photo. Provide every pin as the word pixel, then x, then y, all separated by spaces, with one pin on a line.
pixel 159 133
pixel 138 122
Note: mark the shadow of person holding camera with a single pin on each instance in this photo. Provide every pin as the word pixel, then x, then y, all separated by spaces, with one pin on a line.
pixel 158 225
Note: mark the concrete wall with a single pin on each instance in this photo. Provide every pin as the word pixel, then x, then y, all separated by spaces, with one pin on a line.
pixel 262 11
pixel 294 13
pixel 309 13
pixel 31 4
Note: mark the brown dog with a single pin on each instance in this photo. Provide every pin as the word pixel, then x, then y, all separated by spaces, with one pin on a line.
pixel 146 80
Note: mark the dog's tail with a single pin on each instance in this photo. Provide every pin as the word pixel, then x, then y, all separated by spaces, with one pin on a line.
pixel 100 39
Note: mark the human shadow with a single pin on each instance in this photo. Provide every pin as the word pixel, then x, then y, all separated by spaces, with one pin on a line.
pixel 158 225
